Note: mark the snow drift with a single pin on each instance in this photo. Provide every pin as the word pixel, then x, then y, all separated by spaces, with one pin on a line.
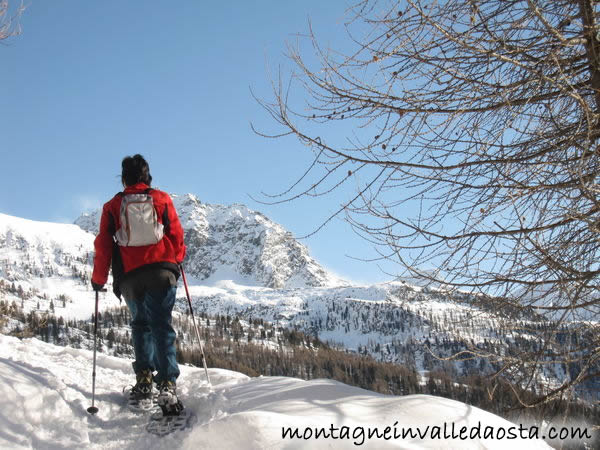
pixel 46 390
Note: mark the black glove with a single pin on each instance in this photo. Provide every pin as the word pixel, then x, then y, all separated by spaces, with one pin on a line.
pixel 117 291
pixel 97 287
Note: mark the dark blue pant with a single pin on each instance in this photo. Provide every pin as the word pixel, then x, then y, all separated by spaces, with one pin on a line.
pixel 152 334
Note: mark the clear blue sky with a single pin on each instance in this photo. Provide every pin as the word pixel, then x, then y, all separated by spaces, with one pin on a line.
pixel 87 83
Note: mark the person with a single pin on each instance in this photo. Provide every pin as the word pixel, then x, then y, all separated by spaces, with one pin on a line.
pixel 141 237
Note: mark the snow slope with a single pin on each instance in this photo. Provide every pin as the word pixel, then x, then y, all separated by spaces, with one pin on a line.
pixel 46 390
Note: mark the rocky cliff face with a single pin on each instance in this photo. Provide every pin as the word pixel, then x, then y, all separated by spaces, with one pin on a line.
pixel 234 242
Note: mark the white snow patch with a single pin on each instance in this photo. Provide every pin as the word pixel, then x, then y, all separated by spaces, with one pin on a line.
pixel 47 389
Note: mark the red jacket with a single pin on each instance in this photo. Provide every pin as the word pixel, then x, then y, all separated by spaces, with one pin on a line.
pixel 170 249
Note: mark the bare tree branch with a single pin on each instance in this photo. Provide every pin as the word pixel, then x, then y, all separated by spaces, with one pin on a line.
pixel 476 128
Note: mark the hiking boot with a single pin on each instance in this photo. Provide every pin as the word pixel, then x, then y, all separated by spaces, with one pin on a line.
pixel 167 399
pixel 143 386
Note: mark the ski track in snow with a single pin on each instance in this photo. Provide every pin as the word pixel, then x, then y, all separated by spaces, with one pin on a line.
pixel 47 389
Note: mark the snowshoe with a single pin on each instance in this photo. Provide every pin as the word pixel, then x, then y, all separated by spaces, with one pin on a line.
pixel 167 399
pixel 161 425
pixel 142 396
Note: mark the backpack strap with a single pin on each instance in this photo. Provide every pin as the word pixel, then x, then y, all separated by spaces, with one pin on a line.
pixel 165 219
pixel 146 191
pixel 112 227
pixel 165 215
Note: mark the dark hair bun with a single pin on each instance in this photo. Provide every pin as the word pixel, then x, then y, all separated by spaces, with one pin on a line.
pixel 135 170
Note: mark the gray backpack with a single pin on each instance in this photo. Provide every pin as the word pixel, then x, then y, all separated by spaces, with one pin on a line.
pixel 139 221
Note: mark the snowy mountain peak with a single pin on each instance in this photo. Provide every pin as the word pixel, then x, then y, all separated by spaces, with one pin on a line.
pixel 187 200
pixel 235 242
pixel 41 248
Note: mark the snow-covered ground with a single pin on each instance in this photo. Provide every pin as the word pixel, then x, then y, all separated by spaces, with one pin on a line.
pixel 46 390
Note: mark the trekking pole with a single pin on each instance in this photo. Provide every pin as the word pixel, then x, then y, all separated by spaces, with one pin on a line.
pixel 92 409
pixel 187 292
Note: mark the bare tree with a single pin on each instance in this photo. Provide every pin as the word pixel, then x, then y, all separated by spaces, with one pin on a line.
pixel 8 24
pixel 471 128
